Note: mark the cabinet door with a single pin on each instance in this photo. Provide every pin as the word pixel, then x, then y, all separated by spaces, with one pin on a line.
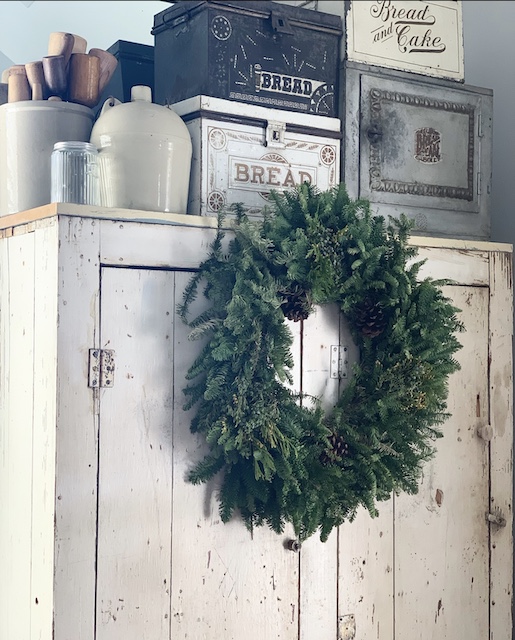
pixel 422 568
pixel 135 473
pixel 166 563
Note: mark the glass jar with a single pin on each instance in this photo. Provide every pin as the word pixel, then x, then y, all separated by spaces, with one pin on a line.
pixel 75 173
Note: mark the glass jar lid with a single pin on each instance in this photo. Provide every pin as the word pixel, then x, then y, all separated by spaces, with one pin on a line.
pixel 75 145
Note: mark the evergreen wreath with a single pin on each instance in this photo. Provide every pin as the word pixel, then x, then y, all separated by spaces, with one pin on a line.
pixel 282 461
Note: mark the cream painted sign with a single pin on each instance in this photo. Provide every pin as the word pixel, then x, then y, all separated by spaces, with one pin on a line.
pixel 413 35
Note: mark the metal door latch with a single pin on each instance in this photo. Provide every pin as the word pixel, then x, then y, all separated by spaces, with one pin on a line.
pixel 275 134
pixel 485 432
pixel 496 517
pixel 281 24
pixel 374 133
pixel 339 364
pixel 101 368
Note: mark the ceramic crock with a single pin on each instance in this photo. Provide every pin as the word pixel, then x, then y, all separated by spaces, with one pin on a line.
pixel 144 155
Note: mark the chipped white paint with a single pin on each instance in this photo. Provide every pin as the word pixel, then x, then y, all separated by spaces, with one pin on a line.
pixel 153 526
pixel 501 445
pixel 318 566
pixel 441 534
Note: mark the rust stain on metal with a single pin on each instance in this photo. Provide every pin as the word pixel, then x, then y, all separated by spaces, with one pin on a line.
pixel 478 406
pixel 439 497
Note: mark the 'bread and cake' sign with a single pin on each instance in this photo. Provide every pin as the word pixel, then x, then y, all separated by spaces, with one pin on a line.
pixel 413 35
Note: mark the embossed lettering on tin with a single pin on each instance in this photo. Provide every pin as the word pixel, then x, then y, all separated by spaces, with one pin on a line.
pixel 427 145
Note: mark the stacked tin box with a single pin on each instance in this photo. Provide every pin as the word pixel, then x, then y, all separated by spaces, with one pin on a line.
pixel 417 140
pixel 268 89
pixel 257 85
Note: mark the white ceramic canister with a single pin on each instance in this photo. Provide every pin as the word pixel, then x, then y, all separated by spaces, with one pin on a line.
pixel 28 132
pixel 144 155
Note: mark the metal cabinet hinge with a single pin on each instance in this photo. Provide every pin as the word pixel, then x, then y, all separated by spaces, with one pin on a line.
pixel 338 368
pixel 347 627
pixel 479 125
pixel 479 183
pixel 101 368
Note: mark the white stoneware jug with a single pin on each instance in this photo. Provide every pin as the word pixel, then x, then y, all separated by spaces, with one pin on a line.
pixel 144 155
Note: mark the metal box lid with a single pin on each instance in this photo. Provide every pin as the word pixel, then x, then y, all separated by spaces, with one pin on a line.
pixel 315 20
pixel 263 53
pixel 135 66
pixel 123 49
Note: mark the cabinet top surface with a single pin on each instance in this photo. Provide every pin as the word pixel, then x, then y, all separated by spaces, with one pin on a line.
pixel 55 210
pixel 85 211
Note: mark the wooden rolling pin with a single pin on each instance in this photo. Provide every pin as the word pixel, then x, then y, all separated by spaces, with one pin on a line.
pixel 18 88
pixel 61 44
pixel 37 91
pixel 79 44
pixel 16 68
pixel 36 76
pixel 83 79
pixel 108 64
pixel 54 70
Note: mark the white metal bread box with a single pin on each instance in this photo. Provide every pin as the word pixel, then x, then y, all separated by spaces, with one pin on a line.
pixel 419 146
pixel 241 152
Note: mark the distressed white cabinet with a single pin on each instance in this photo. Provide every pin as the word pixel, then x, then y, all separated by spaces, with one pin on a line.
pixel 101 538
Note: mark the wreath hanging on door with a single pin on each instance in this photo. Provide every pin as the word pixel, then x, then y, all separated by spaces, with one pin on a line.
pixel 284 461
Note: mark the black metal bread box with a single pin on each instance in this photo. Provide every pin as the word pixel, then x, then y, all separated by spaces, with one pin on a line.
pixel 263 53
pixel 135 66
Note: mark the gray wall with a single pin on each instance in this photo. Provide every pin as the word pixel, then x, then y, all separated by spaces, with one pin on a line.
pixel 24 30
pixel 490 62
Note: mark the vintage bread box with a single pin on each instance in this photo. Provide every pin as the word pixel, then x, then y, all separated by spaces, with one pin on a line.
pixel 135 67
pixel 263 53
pixel 241 152
pixel 420 146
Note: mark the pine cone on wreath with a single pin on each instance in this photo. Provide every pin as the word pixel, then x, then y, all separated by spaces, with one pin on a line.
pixel 296 305
pixel 370 318
pixel 339 449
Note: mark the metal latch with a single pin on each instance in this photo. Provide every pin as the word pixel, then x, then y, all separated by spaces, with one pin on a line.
pixel 339 362
pixel 170 22
pixel 101 368
pixel 280 23
pixel 496 517
pixel 275 134
pixel 485 432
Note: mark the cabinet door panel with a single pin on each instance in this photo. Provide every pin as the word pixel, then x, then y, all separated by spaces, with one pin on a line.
pixel 441 534
pixel 318 560
pixel 226 582
pixel 135 456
